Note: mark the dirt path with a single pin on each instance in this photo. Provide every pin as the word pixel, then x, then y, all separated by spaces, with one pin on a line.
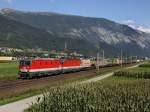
pixel 21 105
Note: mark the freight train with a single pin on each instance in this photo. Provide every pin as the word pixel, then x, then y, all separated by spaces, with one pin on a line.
pixel 45 67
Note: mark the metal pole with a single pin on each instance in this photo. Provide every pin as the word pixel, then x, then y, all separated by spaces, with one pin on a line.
pixel 131 59
pixel 121 58
pixel 136 59
pixel 65 46
pixel 98 61
pixel 103 56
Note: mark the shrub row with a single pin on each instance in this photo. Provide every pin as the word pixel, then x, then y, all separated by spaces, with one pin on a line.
pixel 147 65
pixel 145 75
pixel 109 96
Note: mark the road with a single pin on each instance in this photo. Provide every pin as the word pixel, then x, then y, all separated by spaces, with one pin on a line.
pixel 21 105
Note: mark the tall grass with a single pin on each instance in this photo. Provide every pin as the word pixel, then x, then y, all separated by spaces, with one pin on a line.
pixel 147 65
pixel 142 71
pixel 109 96
pixel 145 75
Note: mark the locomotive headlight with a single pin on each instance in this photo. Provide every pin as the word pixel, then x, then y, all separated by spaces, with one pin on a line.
pixel 24 69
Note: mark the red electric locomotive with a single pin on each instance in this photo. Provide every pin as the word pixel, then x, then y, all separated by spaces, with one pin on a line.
pixel 42 67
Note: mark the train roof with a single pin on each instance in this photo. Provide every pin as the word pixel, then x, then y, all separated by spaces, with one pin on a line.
pixel 46 59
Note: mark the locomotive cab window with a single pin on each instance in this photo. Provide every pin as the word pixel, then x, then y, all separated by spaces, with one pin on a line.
pixel 25 63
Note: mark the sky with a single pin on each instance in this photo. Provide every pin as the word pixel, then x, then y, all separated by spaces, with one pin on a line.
pixel 120 11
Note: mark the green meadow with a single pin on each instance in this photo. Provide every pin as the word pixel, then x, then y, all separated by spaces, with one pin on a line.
pixel 8 70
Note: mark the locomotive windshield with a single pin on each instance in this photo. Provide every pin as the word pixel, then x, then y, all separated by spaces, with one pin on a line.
pixel 25 63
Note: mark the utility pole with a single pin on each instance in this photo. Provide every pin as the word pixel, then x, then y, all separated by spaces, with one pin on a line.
pixel 131 59
pixel 103 57
pixel 136 59
pixel 65 50
pixel 65 47
pixel 121 58
pixel 97 62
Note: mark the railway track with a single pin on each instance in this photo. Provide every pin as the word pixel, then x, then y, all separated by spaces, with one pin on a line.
pixel 5 85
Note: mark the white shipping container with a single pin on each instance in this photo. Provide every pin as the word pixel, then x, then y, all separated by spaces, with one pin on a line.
pixel 6 58
pixel 86 63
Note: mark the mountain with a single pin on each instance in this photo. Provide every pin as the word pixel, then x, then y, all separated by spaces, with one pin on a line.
pixel 136 26
pixel 20 35
pixel 109 35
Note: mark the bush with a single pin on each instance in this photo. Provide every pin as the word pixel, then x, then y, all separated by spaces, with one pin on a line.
pixel 109 96
pixel 134 74
pixel 147 65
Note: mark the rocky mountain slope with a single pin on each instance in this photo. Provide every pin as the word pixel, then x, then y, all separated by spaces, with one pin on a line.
pixel 19 35
pixel 109 35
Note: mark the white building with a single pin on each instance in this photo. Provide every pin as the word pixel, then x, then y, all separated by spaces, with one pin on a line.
pixel 3 58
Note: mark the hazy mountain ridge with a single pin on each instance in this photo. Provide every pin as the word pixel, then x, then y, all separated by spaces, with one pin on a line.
pixel 19 35
pixel 94 30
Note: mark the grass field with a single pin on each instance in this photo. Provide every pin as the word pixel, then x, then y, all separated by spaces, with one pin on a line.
pixel 146 65
pixel 142 71
pixel 8 70
pixel 115 94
